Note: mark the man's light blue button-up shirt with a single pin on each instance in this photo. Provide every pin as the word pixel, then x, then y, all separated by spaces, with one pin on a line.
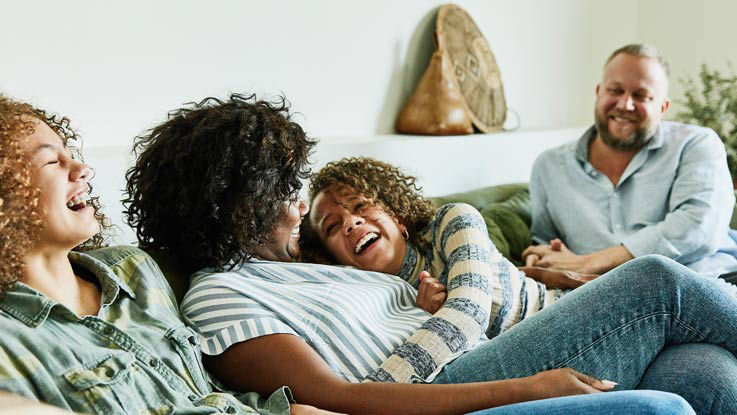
pixel 675 198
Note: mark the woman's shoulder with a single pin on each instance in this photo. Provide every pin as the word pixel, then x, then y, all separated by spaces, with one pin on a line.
pixel 129 264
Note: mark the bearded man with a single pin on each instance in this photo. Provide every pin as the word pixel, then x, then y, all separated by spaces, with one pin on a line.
pixel 633 184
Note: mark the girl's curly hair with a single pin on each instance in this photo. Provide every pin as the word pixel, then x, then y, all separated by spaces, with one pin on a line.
pixel 393 190
pixel 209 184
pixel 21 221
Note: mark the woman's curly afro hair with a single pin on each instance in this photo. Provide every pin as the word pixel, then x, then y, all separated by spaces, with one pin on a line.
pixel 386 185
pixel 209 184
pixel 21 221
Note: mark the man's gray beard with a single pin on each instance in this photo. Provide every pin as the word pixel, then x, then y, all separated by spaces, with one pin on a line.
pixel 635 141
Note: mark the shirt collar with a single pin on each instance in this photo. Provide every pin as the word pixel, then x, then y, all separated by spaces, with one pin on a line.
pixel 582 146
pixel 409 263
pixel 33 308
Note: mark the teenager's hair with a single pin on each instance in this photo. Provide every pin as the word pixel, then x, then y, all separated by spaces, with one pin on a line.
pixel 393 190
pixel 20 220
pixel 209 184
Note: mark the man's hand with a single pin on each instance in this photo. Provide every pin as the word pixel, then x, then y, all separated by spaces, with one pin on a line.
pixel 431 295
pixel 564 382
pixel 558 256
pixel 553 278
pixel 297 409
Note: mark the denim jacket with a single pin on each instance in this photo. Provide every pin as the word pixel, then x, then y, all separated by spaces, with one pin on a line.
pixel 135 356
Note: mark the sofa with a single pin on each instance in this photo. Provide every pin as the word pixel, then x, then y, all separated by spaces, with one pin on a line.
pixel 487 171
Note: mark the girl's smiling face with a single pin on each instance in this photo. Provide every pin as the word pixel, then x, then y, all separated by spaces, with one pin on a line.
pixel 68 218
pixel 357 231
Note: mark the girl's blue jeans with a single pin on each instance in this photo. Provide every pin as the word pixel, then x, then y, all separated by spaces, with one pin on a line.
pixel 624 402
pixel 650 323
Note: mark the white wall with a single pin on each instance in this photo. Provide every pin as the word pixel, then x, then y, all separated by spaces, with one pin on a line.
pixel 689 33
pixel 116 68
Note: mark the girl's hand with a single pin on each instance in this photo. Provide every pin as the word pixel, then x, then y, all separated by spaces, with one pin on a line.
pixel 431 295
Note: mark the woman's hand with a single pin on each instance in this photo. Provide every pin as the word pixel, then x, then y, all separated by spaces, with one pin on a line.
pixel 297 409
pixel 431 295
pixel 553 278
pixel 564 382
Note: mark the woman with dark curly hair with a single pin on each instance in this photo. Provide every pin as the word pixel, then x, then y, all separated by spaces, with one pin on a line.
pixel 207 147
pixel 86 328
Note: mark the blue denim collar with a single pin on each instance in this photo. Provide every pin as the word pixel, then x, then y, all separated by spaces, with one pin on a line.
pixel 33 308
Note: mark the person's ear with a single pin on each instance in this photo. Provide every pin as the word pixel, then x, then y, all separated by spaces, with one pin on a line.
pixel 665 106
pixel 403 229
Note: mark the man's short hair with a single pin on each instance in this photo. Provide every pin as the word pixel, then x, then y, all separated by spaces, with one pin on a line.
pixel 210 183
pixel 642 50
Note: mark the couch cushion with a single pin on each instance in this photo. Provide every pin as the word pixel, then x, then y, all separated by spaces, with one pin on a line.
pixel 507 213
pixel 515 233
pixel 174 272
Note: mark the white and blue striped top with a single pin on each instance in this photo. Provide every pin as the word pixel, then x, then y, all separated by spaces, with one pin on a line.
pixel 354 319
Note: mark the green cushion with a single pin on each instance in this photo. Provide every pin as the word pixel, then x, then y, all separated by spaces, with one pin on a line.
pixel 174 272
pixel 496 234
pixel 515 232
pixel 482 197
pixel 507 213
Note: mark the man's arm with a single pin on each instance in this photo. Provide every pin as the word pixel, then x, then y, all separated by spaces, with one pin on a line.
pixel 543 228
pixel 699 208
pixel 265 363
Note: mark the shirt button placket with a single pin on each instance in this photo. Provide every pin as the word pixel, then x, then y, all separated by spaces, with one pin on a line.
pixel 614 211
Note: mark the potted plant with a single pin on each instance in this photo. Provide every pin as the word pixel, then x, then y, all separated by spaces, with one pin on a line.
pixel 712 103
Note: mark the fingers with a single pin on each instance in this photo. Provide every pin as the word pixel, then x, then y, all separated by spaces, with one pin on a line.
pixel 544 263
pixel 530 250
pixel 599 385
pixel 297 409
pixel 422 290
pixel 531 260
pixel 431 294
pixel 556 244
pixel 437 302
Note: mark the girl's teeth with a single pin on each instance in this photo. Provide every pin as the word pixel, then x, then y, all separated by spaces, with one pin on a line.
pixel 78 202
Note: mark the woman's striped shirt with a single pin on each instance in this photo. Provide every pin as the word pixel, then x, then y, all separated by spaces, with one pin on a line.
pixel 354 319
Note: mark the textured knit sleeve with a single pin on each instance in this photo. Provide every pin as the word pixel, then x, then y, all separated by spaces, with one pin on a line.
pixel 472 266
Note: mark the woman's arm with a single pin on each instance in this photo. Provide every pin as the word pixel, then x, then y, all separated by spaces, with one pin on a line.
pixel 266 363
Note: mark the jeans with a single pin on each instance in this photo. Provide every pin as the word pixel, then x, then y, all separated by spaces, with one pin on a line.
pixel 612 328
pixel 625 402
pixel 704 374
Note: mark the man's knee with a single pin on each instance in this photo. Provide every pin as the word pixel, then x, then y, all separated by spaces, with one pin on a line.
pixel 704 374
